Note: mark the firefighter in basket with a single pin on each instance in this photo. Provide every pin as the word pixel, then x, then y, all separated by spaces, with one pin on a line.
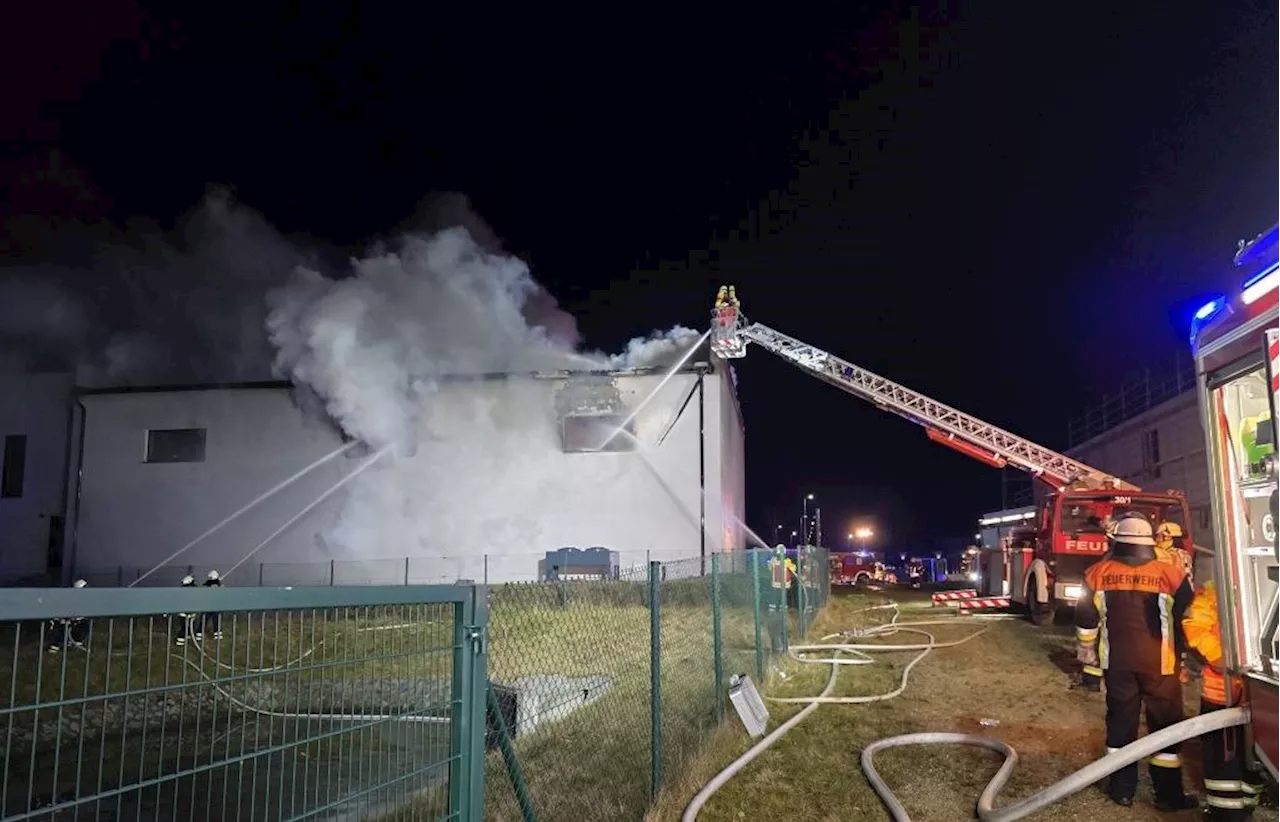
pixel 1129 624
pixel 68 632
pixel 1231 790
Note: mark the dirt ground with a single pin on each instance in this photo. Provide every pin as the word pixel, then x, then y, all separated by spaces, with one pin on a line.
pixel 1017 674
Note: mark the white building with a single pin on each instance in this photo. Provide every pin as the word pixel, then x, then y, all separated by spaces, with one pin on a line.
pixel 34 427
pixel 1150 434
pixel 505 469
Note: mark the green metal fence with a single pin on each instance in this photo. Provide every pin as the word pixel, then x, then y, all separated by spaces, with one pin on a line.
pixel 272 704
pixel 568 700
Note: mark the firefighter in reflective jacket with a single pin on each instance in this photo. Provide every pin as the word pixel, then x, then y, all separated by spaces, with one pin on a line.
pixel 1129 622
pixel 1231 792
pixel 1169 547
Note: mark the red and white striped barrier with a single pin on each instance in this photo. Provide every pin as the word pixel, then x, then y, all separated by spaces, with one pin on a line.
pixel 981 603
pixel 949 596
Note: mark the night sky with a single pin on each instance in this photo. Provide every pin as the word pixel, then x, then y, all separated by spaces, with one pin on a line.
pixel 1007 206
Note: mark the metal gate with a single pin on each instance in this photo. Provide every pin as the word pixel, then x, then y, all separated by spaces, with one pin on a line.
pixel 243 703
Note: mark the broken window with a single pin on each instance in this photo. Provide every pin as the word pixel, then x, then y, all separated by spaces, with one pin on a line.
pixel 175 445
pixel 583 433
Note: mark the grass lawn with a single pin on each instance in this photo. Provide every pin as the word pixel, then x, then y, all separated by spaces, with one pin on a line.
pixel 1016 673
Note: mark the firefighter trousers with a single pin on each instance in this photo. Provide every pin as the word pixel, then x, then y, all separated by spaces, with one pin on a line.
pixel 1230 790
pixel 1128 692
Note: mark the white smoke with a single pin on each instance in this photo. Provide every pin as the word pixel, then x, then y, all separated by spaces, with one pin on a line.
pixel 374 347
pixel 661 348
pixel 374 344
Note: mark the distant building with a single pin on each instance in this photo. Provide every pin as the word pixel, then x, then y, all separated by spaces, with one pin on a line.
pixel 152 469
pixel 35 417
pixel 1149 433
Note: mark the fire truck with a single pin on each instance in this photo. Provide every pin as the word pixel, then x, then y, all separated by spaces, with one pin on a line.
pixel 854 569
pixel 1047 562
pixel 1236 345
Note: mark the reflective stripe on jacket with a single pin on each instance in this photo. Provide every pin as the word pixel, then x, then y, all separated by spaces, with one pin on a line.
pixel 1201 628
pixel 1134 610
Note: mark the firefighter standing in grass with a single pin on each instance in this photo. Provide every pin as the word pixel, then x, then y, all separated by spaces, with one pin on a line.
pixel 186 621
pixel 212 620
pixel 68 632
pixel 1129 624
pixel 1231 791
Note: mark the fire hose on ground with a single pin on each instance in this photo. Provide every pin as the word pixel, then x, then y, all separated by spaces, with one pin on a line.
pixel 987 812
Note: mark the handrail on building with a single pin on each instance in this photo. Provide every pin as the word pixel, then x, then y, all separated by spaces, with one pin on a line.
pixel 1137 394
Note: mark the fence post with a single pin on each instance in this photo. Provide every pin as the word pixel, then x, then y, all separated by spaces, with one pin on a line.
pixel 718 643
pixel 802 570
pixel 655 682
pixel 755 608
pixel 514 773
pixel 467 728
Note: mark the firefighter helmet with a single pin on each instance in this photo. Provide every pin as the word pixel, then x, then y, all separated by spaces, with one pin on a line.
pixel 1133 529
pixel 79 583
pixel 212 576
pixel 188 580
pixel 1169 530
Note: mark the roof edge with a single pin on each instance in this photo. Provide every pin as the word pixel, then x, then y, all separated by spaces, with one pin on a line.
pixel 250 385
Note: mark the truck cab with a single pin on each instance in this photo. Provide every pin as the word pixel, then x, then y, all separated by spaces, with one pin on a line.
pixel 1070 533
pixel 1237 347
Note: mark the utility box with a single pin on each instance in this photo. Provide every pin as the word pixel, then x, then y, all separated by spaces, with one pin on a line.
pixel 575 564
pixel 750 707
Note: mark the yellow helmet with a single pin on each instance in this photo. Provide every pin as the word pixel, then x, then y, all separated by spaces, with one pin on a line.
pixel 1169 530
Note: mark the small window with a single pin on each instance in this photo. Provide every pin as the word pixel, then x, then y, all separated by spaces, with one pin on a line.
pixel 15 465
pixel 597 432
pixel 1151 452
pixel 175 445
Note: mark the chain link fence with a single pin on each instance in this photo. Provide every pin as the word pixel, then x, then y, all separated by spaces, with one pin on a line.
pixel 573 699
pixel 607 696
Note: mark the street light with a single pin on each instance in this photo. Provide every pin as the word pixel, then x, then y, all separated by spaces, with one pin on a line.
pixel 804 516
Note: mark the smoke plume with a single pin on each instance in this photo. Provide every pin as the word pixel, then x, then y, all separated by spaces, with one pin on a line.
pixel 225 297
pixel 146 306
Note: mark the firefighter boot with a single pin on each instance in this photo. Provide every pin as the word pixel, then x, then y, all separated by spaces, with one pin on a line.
pixel 1166 783
pixel 1123 785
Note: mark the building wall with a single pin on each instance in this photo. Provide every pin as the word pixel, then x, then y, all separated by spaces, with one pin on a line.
pixel 487 491
pixel 1180 464
pixel 1126 451
pixel 37 406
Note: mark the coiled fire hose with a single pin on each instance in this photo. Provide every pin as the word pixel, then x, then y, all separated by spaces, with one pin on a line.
pixel 987 812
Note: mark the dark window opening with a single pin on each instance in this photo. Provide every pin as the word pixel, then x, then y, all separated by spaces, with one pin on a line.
pixel 597 432
pixel 54 548
pixel 14 471
pixel 175 445
pixel 358 450
pixel 1151 452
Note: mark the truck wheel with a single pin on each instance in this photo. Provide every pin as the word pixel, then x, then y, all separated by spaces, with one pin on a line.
pixel 1039 612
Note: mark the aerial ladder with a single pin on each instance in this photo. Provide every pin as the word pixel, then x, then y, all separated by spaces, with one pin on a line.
pixel 1079 494
pixel 943 424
